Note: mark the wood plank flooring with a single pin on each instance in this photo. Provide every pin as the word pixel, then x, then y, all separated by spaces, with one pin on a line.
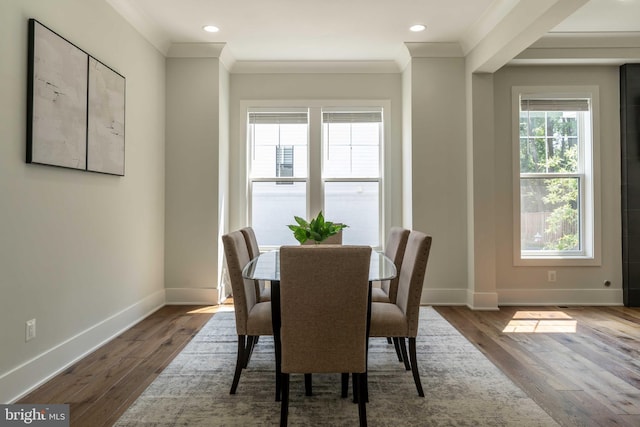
pixel 100 387
pixel 580 364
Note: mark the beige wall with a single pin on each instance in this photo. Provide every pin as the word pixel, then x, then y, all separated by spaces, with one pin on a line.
pixel 575 285
pixel 80 252
pixel 192 150
pixel 438 182
pixel 246 87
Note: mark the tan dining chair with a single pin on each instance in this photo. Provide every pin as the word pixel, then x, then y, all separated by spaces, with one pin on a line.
pixel 394 249
pixel 262 292
pixel 253 318
pixel 400 320
pixel 323 309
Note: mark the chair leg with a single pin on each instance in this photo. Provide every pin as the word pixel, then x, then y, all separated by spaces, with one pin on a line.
pixel 396 344
pixel 403 349
pixel 278 351
pixel 388 340
pixel 362 403
pixel 345 385
pixel 356 390
pixel 284 405
pixel 251 342
pixel 308 385
pixel 240 359
pixel 414 366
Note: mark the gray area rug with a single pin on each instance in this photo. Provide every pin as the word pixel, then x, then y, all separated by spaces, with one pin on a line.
pixel 462 387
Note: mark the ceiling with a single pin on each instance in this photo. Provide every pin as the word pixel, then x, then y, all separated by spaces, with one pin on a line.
pixel 355 30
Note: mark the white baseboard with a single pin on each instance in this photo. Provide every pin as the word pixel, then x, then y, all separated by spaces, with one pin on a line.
pixel 482 300
pixel 462 296
pixel 32 373
pixel 488 301
pixel 444 296
pixel 560 297
pixel 193 296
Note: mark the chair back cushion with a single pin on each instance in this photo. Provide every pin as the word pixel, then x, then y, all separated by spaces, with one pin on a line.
pixel 254 251
pixel 412 272
pixel 323 300
pixel 244 295
pixel 395 247
pixel 252 242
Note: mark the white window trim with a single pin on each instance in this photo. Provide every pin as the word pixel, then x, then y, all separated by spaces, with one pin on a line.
pixel 590 206
pixel 315 140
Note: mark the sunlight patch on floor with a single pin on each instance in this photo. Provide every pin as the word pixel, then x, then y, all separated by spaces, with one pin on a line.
pixel 532 321
pixel 212 309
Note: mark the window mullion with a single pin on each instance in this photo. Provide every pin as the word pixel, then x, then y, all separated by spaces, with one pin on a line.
pixel 315 186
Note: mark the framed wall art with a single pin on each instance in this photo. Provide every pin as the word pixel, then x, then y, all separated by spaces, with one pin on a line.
pixel 75 106
pixel 105 137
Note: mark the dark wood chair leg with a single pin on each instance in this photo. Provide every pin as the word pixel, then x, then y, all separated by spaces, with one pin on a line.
pixel 240 359
pixel 251 342
pixel 308 385
pixel 388 340
pixel 414 366
pixel 356 390
pixel 345 385
pixel 275 323
pixel 284 406
pixel 396 344
pixel 362 404
pixel 403 349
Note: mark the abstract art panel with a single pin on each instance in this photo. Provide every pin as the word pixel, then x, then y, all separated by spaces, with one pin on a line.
pixel 105 138
pixel 57 126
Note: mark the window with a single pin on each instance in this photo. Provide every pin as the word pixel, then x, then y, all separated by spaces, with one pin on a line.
pixel 303 160
pixel 351 142
pixel 555 169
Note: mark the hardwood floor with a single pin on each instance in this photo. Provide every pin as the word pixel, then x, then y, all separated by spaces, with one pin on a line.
pixel 101 386
pixel 580 364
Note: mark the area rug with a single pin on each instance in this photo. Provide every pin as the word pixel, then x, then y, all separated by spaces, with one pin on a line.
pixel 462 387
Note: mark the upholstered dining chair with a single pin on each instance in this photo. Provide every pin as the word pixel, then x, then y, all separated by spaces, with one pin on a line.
pixel 324 302
pixel 262 292
pixel 394 249
pixel 253 318
pixel 400 320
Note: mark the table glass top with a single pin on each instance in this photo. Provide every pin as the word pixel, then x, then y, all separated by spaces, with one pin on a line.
pixel 266 266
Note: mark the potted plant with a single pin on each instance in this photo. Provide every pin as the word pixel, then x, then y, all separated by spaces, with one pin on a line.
pixel 317 229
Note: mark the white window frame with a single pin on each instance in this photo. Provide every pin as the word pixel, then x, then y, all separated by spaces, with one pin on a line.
pixel 315 181
pixel 590 227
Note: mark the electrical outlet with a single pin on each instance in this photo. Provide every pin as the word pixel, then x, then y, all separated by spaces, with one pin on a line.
pixel 551 276
pixel 31 330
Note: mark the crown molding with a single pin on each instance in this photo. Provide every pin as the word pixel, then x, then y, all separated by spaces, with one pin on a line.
pixel 142 24
pixel 314 67
pixel 588 40
pixel 202 50
pixel 434 50
pixel 613 48
pixel 195 50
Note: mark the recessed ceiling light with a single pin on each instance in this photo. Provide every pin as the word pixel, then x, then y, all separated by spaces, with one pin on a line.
pixel 211 29
pixel 417 28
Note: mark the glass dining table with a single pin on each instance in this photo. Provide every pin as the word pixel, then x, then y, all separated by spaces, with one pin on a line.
pixel 266 266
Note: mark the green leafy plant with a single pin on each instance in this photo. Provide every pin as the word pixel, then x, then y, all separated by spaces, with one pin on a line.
pixel 317 229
